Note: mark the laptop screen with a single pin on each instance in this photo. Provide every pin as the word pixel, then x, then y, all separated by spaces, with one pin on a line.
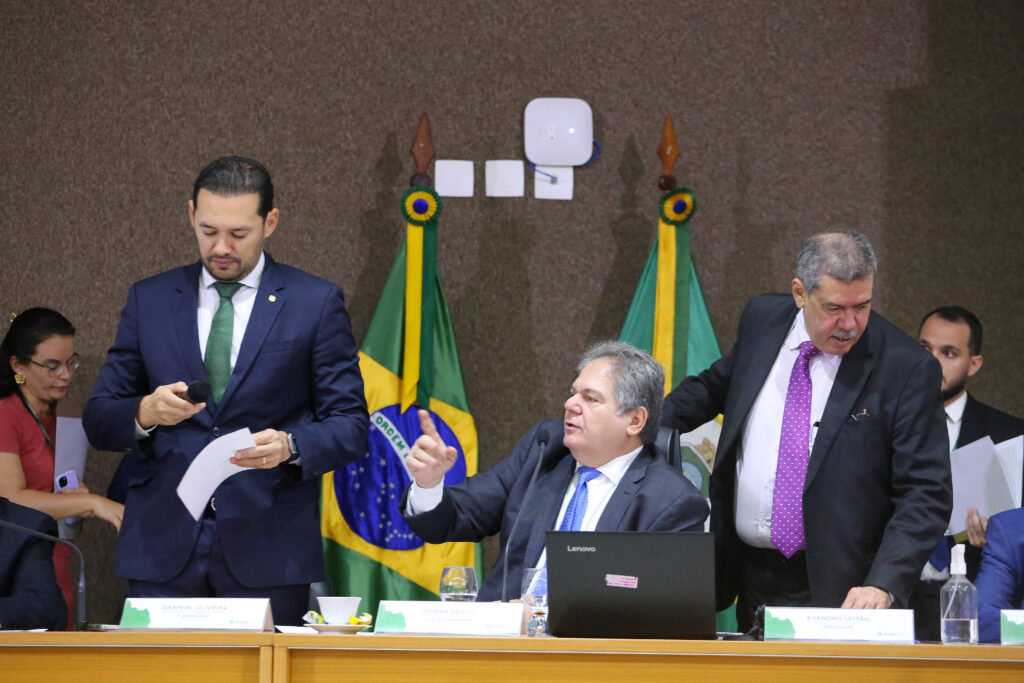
pixel 631 584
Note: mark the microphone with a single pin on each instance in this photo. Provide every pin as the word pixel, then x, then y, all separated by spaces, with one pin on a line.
pixel 542 442
pixel 197 392
pixel 80 593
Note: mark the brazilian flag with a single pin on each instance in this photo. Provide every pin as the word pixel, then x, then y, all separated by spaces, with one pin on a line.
pixel 669 319
pixel 408 361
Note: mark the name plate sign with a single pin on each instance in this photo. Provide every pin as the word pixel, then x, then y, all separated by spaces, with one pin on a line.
pixel 1011 626
pixel 450 618
pixel 205 614
pixel 816 623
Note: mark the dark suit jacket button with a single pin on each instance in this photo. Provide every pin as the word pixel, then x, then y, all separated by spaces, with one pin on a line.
pixel 216 431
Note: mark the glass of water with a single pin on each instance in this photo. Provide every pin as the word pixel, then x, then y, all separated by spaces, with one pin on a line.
pixel 458 584
pixel 535 595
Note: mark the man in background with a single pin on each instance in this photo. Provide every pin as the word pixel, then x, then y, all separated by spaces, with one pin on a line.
pixel 953 335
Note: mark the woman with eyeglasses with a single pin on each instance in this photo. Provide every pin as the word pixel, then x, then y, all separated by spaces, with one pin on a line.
pixel 40 349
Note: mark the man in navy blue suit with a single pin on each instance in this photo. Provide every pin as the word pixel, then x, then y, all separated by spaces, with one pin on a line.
pixel 609 428
pixel 276 345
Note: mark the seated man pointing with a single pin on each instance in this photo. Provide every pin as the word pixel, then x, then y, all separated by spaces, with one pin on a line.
pixel 604 444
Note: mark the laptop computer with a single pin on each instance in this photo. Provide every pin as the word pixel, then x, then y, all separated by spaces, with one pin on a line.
pixel 631 584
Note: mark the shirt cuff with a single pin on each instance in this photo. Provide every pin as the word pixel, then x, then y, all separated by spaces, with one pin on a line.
pixel 423 500
pixel 141 433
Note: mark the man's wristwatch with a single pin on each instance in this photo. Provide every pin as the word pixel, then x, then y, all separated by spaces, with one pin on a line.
pixel 292 448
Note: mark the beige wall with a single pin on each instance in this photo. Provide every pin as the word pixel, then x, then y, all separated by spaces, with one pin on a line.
pixel 902 119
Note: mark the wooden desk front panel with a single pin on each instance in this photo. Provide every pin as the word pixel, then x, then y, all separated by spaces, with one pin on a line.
pixel 402 658
pixel 149 657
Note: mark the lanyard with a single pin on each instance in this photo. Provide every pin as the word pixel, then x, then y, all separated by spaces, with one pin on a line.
pixel 38 421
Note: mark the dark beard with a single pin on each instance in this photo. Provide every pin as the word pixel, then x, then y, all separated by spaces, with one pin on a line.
pixel 953 390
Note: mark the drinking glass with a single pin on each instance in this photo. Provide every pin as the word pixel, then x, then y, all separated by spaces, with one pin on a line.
pixel 535 595
pixel 458 584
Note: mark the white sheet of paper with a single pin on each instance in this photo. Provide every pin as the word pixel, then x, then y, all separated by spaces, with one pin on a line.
pixel 71 447
pixel 1011 457
pixel 211 467
pixel 453 178
pixel 545 188
pixel 504 178
pixel 978 482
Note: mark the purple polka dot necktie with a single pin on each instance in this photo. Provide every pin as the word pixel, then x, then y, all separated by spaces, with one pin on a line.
pixel 794 452
pixel 573 518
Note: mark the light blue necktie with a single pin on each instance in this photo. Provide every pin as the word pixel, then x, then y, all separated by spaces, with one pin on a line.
pixel 573 518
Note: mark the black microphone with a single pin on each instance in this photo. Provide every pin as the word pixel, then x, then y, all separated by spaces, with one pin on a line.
pixel 542 442
pixel 197 392
pixel 80 594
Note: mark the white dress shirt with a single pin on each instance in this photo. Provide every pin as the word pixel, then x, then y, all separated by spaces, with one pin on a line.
pixel 243 300
pixel 955 419
pixel 758 454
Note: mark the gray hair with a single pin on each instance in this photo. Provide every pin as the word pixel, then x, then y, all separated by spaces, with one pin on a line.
pixel 639 381
pixel 845 256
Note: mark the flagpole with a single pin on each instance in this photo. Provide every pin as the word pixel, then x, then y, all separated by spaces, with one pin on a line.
pixel 421 207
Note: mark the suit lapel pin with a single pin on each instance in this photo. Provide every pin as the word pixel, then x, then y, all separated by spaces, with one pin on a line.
pixel 272 298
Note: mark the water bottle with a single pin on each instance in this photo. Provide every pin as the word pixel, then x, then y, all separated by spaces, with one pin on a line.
pixel 958 604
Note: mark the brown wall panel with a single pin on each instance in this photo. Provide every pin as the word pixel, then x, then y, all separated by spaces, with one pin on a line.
pixel 901 119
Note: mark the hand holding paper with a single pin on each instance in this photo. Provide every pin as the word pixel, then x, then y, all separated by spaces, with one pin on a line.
pixel 271 449
pixel 211 467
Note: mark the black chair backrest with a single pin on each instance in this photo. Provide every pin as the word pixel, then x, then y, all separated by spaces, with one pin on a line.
pixel 667 445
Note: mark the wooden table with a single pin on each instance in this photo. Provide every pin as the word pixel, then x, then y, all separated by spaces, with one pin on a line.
pixel 155 656
pixel 299 658
pixel 144 656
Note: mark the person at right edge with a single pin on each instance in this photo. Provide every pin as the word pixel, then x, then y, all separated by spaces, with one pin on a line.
pixel 953 335
pixel 832 482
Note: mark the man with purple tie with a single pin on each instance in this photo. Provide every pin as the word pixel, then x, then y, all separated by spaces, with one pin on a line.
pixel 832 481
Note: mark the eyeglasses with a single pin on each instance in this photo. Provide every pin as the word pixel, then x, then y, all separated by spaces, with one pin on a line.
pixel 55 368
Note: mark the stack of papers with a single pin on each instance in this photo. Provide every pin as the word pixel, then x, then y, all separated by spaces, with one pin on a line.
pixel 986 476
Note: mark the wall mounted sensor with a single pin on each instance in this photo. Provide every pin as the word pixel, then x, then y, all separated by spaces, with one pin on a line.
pixel 558 131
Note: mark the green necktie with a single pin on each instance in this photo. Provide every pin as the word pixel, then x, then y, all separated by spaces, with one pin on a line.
pixel 218 344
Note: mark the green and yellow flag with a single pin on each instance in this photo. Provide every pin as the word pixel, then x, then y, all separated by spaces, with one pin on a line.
pixel 408 361
pixel 667 316
pixel 669 319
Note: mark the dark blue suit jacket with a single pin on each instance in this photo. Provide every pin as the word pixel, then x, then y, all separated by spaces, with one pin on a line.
pixel 29 595
pixel 652 496
pixel 878 492
pixel 297 371
pixel 1000 581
